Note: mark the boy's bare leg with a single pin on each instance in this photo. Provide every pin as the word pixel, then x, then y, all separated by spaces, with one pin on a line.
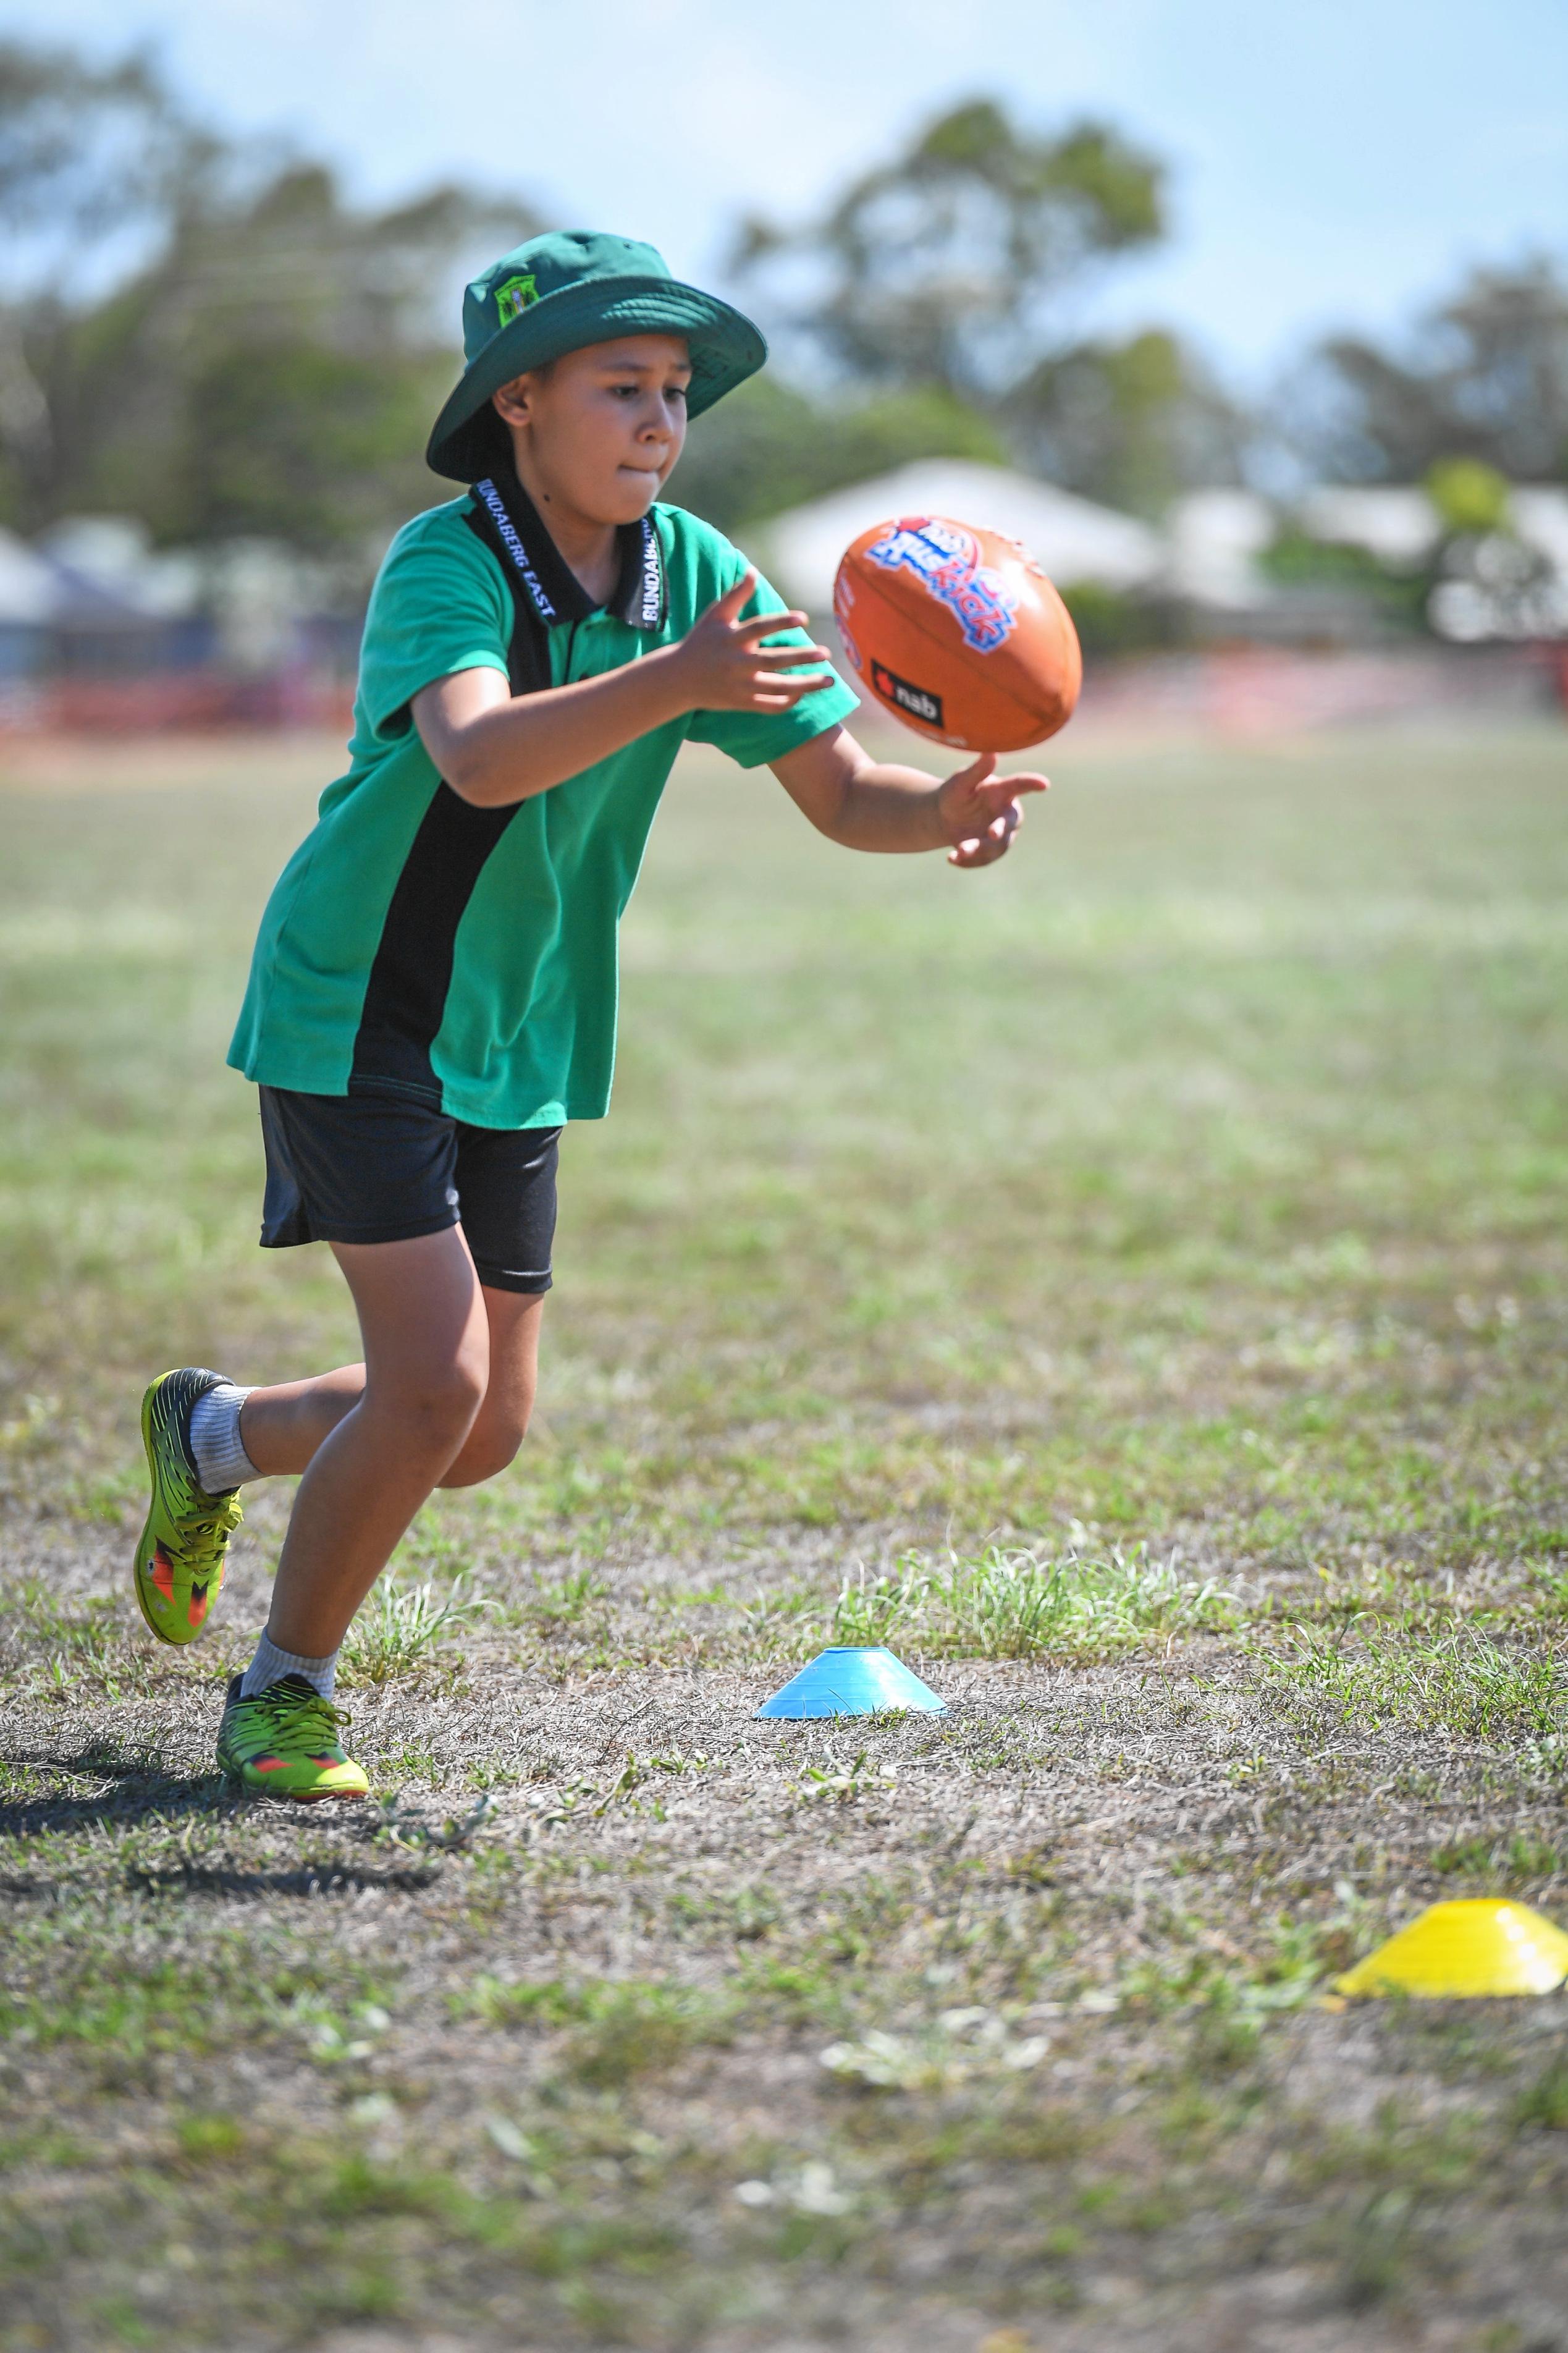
pixel 284 1427
pixel 281 1428
pixel 501 1424
pixel 423 1317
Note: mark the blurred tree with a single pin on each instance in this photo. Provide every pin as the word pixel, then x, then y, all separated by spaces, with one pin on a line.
pixel 1369 596
pixel 1489 581
pixel 1484 376
pixel 1480 578
pixel 1112 621
pixel 1468 494
pixel 768 446
pixel 314 358
pixel 93 163
pixel 940 266
pixel 87 152
pixel 1129 423
pixel 301 442
pixel 270 360
pixel 943 271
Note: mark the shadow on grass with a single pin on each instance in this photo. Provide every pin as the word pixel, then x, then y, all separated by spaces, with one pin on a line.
pixel 309 1879
pixel 141 1790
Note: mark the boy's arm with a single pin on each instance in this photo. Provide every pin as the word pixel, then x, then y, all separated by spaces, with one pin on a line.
pixel 494 747
pixel 865 804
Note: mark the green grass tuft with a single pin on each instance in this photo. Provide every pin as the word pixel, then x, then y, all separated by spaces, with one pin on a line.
pixel 1455 1675
pixel 1014 1602
pixel 617 2028
pixel 399 1629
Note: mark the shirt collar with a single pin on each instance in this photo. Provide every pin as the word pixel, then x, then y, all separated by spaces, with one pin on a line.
pixel 543 574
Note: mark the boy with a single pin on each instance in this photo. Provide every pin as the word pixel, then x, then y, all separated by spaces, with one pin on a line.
pixel 432 991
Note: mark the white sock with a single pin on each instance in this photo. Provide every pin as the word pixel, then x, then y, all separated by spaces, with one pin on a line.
pixel 270 1665
pixel 221 1462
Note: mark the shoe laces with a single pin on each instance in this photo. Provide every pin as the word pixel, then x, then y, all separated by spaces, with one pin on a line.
pixel 198 1533
pixel 298 1711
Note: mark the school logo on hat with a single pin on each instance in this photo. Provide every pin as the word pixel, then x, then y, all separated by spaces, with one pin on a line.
pixel 514 298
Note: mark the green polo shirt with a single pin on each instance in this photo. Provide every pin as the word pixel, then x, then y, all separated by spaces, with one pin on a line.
pixel 466 957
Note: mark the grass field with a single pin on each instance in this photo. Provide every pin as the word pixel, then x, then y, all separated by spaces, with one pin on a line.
pixel 1132 1284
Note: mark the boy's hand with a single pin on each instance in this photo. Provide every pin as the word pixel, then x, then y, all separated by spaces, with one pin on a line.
pixel 722 664
pixel 978 811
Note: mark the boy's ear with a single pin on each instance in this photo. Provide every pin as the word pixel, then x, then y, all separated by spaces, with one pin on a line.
pixel 512 402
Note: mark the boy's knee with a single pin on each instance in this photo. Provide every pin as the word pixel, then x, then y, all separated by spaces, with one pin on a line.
pixel 492 1446
pixel 474 1465
pixel 440 1405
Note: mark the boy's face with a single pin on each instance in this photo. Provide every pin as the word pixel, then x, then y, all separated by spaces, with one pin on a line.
pixel 599 430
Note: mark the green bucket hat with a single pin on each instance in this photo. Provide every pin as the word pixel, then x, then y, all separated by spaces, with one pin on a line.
pixel 559 292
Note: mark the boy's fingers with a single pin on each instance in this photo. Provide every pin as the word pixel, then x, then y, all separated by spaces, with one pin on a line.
pixel 788 657
pixel 990 808
pixel 781 693
pixel 999 791
pixel 780 683
pixel 769 625
pixel 983 849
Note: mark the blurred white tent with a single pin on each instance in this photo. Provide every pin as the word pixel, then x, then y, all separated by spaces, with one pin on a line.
pixel 1396 526
pixel 1072 538
pixel 1403 526
pixel 30 590
pixel 1539 513
pixel 252 592
pixel 108 564
pixel 1214 539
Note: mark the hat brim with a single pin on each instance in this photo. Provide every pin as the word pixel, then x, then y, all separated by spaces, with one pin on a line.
pixel 725 349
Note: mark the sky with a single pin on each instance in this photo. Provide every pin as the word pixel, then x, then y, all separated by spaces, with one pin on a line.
pixel 1333 162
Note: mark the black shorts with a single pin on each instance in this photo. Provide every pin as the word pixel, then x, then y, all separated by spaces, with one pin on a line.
pixel 373 1167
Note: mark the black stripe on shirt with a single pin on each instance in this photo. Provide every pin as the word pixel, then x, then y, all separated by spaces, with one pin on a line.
pixel 405 996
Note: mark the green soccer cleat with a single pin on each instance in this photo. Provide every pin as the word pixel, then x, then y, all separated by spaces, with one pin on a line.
pixel 184 1550
pixel 283 1741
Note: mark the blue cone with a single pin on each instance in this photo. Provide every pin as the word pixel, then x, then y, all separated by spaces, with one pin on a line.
pixel 852 1682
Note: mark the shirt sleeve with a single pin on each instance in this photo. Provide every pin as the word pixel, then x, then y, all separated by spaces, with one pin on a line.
pixel 439 605
pixel 753 738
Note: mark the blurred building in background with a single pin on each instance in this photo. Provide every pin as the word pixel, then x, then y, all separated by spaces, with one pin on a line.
pixel 100 629
pixel 1081 542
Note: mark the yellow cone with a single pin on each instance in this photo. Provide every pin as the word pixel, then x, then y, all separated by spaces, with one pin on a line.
pixel 1457 1950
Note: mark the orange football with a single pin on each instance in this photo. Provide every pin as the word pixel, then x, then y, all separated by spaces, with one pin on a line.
pixel 958 633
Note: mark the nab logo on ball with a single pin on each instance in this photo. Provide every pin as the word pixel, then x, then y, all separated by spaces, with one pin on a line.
pixel 915 700
pixel 945 559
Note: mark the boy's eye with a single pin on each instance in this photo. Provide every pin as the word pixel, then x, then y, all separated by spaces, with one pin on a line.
pixel 632 391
